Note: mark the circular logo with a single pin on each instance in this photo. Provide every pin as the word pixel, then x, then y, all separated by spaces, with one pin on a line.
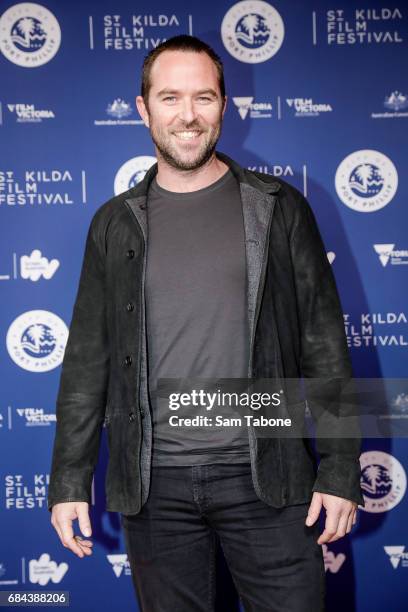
pixel 366 180
pixel 132 172
pixel 36 340
pixel 30 35
pixel 252 31
pixel 383 481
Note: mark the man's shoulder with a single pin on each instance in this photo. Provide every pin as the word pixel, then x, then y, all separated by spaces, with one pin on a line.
pixel 285 191
pixel 115 205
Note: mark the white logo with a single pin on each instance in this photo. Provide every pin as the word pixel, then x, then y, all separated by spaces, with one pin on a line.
pixel 305 107
pixel 383 481
pixel 396 555
pixel 119 563
pixel 30 35
pixel 366 180
pixel 35 266
pixel 27 113
pixel 257 110
pixel 252 31
pixel 43 570
pixel 386 253
pixel 36 340
pixel 119 109
pixel 36 416
pixel 332 562
pixel 331 256
pixel 132 172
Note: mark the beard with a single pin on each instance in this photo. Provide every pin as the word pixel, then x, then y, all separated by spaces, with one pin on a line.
pixel 187 159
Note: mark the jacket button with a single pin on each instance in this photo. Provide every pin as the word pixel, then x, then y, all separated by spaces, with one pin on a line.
pixel 130 253
pixel 128 360
pixel 130 306
pixel 142 206
pixel 132 416
pixel 142 413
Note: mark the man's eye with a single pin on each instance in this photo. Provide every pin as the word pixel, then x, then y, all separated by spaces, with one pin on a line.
pixel 169 98
pixel 205 98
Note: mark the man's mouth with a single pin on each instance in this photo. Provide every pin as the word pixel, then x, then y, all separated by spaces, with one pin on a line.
pixel 187 134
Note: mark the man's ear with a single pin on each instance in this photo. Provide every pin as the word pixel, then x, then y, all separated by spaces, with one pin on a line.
pixel 141 107
pixel 225 105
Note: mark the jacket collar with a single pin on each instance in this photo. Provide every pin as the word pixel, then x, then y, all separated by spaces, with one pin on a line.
pixel 241 174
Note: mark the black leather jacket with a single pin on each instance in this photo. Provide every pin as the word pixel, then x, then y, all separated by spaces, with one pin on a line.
pixel 296 329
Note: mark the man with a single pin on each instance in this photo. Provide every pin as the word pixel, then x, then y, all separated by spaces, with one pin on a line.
pixel 204 269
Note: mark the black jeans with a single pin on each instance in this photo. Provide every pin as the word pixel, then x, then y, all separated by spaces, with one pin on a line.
pixel 274 559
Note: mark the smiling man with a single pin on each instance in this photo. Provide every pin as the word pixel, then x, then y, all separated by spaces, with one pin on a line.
pixel 207 270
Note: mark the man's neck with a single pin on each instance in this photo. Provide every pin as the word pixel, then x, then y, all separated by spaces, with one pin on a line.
pixel 184 181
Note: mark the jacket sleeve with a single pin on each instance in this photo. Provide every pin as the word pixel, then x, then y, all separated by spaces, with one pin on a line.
pixel 325 356
pixel 81 398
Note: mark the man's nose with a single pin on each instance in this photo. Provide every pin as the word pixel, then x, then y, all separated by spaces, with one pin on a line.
pixel 187 111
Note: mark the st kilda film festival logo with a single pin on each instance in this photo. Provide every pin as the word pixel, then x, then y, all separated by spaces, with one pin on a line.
pixel 30 34
pixel 366 180
pixel 252 31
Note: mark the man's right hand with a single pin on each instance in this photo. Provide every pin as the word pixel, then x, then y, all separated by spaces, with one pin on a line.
pixel 62 516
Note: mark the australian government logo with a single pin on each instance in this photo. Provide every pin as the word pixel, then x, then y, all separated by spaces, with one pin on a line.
pixel 246 107
pixel 132 172
pixel 366 180
pixel 30 35
pixel 396 106
pixel 383 481
pixel 36 340
pixel 120 113
pixel 252 31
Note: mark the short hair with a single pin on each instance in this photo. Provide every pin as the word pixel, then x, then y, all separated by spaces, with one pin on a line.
pixel 183 42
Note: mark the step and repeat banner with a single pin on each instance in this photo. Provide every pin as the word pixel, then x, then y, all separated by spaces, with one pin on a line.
pixel 318 96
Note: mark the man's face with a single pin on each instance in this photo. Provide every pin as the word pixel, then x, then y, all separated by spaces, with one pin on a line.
pixel 185 108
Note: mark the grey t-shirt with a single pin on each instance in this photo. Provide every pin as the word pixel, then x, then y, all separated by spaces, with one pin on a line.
pixel 196 312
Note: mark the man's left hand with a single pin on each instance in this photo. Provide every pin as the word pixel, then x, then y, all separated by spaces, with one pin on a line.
pixel 341 515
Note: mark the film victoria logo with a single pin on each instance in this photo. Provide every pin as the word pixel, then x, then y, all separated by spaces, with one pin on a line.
pixel 394 104
pixel 246 107
pixel 388 254
pixel 383 481
pixel 28 113
pixel 119 112
pixel 397 556
pixel 36 340
pixel 132 172
pixel 252 31
pixel 120 564
pixel 30 35
pixel 306 107
pixel 366 180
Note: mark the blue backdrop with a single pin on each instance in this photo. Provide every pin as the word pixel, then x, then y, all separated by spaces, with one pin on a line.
pixel 317 96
